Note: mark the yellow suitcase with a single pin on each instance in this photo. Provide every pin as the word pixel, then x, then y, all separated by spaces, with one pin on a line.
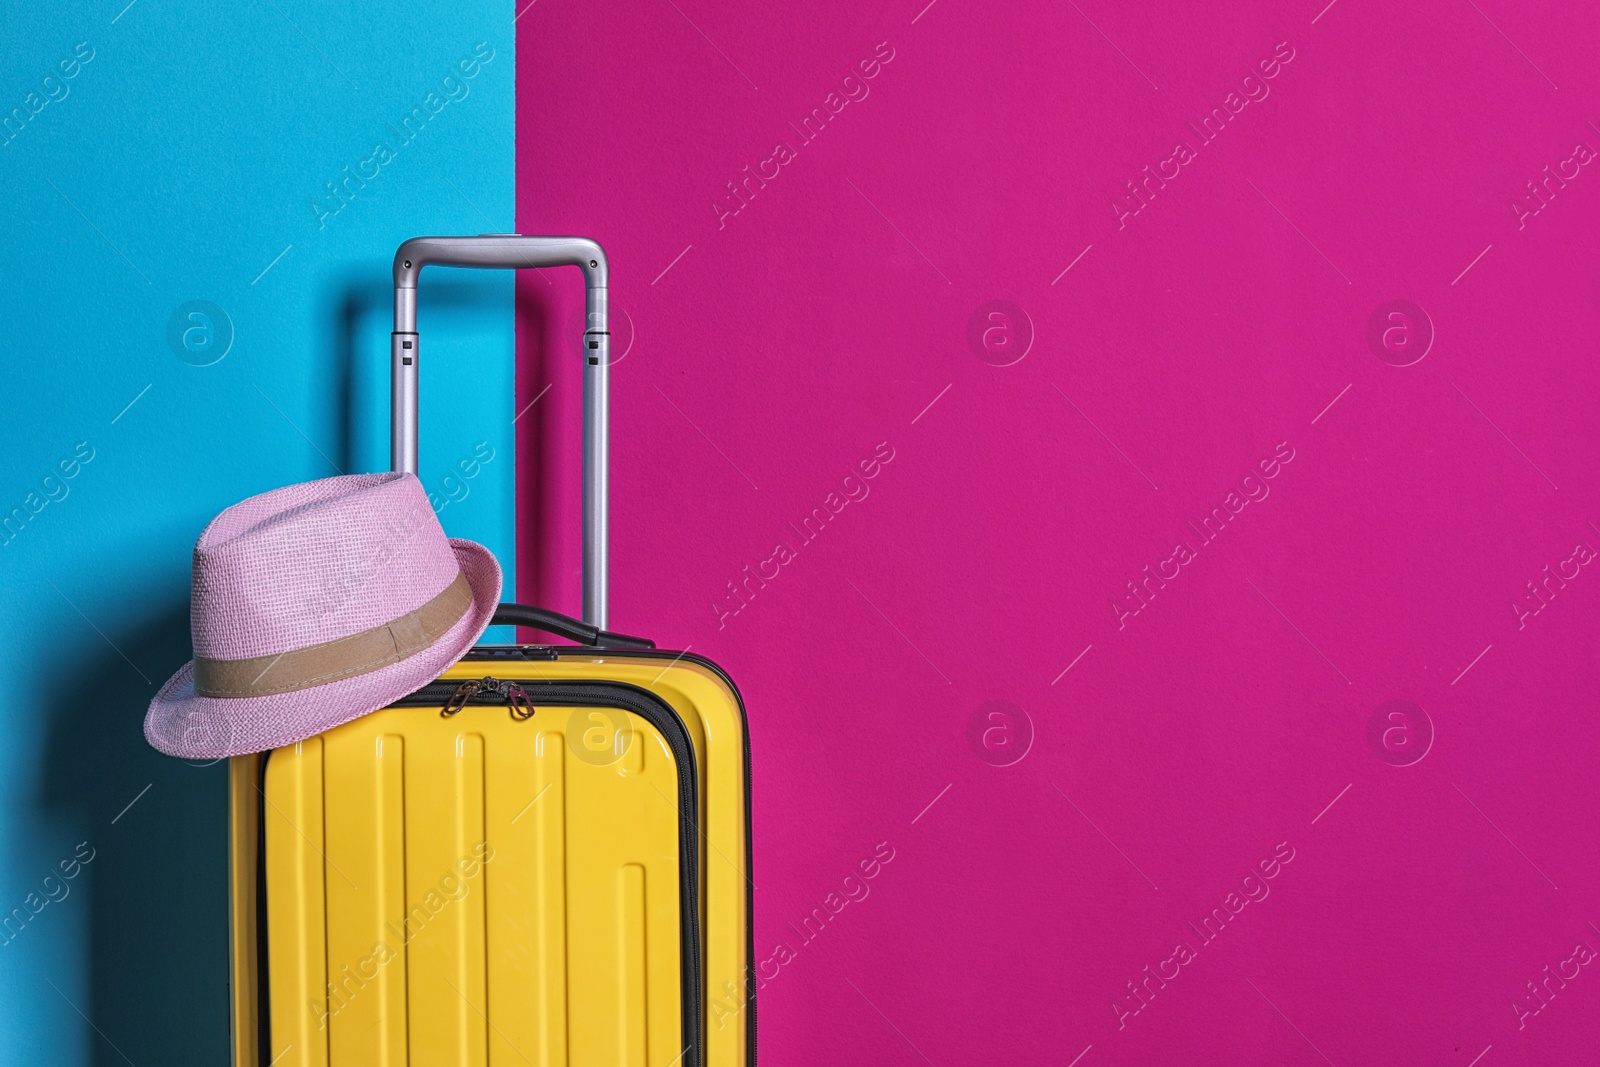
pixel 543 857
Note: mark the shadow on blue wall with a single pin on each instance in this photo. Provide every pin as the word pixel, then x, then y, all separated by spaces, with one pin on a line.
pixel 157 887
pixel 158 895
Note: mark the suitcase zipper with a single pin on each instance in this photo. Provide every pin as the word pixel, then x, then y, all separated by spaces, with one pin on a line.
pixel 512 693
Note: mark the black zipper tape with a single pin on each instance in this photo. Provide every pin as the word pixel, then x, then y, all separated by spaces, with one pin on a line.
pixel 481 653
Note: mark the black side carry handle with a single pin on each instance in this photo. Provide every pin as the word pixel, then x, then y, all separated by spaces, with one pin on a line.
pixel 552 622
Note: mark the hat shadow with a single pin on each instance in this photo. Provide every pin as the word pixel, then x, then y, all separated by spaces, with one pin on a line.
pixel 156 885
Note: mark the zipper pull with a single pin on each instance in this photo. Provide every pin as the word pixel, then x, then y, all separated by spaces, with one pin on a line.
pixel 515 696
pixel 517 700
pixel 458 700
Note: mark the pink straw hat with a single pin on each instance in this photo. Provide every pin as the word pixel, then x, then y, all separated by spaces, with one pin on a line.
pixel 315 604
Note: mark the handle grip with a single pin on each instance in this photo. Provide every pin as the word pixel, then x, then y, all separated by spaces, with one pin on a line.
pixel 563 626
pixel 509 251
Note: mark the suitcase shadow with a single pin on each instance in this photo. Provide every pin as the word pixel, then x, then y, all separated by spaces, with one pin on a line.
pixel 361 390
pixel 536 312
pixel 362 315
pixel 156 888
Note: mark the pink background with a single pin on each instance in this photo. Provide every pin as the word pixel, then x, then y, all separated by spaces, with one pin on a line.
pixel 775 351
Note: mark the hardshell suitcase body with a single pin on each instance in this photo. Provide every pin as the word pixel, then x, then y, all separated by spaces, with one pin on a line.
pixel 542 857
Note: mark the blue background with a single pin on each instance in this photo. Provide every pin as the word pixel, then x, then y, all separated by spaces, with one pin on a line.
pixel 182 162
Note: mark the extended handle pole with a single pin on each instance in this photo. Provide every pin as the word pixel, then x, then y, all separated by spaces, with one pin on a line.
pixel 511 251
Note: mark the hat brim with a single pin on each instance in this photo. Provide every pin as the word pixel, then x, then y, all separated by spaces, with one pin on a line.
pixel 183 723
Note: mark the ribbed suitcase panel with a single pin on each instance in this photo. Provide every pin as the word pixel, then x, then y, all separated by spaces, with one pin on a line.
pixel 527 907
pixel 471 890
pixel 444 918
pixel 293 819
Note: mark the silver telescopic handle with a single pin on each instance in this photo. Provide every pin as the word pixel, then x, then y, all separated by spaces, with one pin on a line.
pixel 510 251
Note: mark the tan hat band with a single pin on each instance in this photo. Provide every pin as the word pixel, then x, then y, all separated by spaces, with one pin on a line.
pixel 343 657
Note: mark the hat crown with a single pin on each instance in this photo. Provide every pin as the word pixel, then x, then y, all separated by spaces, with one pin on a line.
pixel 314 562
